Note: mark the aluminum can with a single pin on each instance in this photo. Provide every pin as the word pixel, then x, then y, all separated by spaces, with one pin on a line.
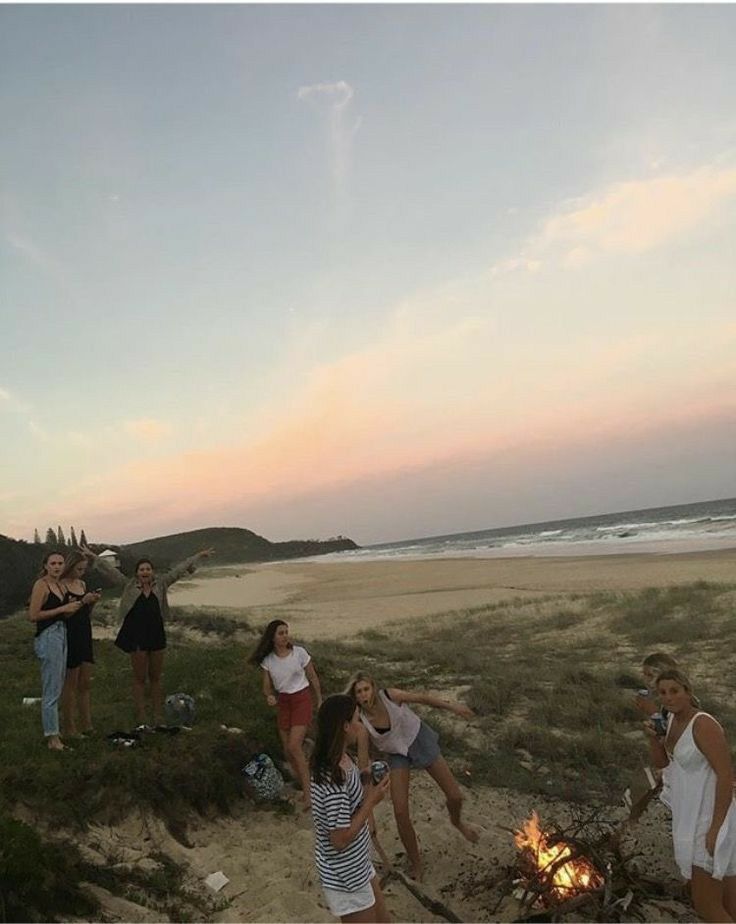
pixel 379 769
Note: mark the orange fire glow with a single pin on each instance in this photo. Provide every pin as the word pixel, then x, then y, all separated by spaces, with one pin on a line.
pixel 569 878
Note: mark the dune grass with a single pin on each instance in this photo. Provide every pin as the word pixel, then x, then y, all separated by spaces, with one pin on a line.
pixel 552 680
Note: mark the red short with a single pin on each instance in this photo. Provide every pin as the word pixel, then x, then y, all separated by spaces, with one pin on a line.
pixel 295 709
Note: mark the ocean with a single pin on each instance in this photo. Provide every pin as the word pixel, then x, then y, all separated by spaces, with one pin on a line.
pixel 695 527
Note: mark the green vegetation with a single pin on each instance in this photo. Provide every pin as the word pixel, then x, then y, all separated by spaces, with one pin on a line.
pixel 551 681
pixel 38 881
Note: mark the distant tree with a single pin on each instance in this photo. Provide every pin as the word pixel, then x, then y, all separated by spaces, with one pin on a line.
pixel 50 537
pixel 73 538
pixel 60 536
pixel 82 539
pixel 36 537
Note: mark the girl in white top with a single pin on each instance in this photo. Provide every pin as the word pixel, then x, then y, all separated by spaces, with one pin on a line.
pixel 409 744
pixel 701 792
pixel 288 674
pixel 341 809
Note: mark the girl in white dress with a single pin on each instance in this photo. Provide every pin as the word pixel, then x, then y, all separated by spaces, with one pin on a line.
pixel 701 792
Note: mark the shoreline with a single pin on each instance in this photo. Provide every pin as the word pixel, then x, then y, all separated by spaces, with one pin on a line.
pixel 557 549
pixel 322 599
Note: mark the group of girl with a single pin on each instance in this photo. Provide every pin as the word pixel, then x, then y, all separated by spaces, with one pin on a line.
pixel 60 608
pixel 689 746
pixel 341 804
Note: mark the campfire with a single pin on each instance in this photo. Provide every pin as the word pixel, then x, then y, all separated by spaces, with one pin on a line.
pixel 557 870
pixel 590 867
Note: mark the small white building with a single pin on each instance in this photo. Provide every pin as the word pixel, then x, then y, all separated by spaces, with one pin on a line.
pixel 110 557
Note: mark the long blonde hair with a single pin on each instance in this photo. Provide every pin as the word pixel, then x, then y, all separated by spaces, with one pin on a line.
pixel 360 677
pixel 678 676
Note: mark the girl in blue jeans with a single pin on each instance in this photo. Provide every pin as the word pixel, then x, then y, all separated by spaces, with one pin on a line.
pixel 49 610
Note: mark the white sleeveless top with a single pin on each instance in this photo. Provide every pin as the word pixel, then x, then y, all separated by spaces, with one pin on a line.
pixel 405 726
pixel 692 794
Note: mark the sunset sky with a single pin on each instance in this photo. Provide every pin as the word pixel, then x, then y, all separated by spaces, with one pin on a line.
pixel 384 271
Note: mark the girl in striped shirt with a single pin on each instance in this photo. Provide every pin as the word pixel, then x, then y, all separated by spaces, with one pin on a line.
pixel 340 809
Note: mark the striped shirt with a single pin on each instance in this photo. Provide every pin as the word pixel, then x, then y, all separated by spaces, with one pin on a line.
pixel 333 806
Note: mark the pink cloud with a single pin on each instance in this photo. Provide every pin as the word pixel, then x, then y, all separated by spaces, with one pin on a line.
pixel 639 215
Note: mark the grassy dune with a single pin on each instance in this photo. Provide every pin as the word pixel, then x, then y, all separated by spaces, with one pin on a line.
pixel 551 681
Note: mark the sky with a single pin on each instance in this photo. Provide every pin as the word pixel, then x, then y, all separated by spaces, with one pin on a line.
pixel 380 271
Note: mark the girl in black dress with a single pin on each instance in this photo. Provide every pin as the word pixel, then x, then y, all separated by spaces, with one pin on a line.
pixel 144 606
pixel 79 658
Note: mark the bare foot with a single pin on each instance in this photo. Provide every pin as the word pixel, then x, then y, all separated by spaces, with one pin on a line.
pixel 469 832
pixel 56 744
pixel 416 872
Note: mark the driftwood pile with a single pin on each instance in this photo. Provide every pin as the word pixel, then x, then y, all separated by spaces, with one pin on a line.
pixel 622 890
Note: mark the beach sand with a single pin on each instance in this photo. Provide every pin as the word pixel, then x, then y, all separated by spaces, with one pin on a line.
pixel 337 599
pixel 268 858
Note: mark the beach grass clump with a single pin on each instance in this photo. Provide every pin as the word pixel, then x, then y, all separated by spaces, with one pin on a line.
pixel 493 696
pixel 681 614
pixel 39 881
pixel 208 622
pixel 161 886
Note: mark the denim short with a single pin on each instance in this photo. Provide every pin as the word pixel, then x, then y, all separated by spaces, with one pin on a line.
pixel 423 751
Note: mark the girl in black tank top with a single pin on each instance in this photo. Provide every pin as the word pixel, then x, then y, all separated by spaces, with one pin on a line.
pixel 49 610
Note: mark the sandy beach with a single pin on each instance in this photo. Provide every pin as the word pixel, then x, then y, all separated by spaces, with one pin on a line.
pixel 327 599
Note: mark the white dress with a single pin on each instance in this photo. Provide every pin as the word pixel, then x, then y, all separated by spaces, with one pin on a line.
pixel 692 793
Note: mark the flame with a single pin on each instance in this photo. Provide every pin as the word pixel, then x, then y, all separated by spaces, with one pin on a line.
pixel 569 878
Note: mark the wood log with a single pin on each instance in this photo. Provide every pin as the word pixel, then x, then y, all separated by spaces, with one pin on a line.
pixel 431 904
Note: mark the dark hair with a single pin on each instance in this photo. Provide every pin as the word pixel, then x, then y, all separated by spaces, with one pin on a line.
pixel 680 677
pixel 329 745
pixel 265 644
pixel 44 562
pixel 142 561
pixel 71 562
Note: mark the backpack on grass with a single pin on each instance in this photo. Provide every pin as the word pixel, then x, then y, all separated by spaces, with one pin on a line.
pixel 263 778
pixel 180 709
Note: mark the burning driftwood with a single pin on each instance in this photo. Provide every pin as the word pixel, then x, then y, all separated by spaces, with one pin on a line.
pixel 555 868
pixel 581 869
